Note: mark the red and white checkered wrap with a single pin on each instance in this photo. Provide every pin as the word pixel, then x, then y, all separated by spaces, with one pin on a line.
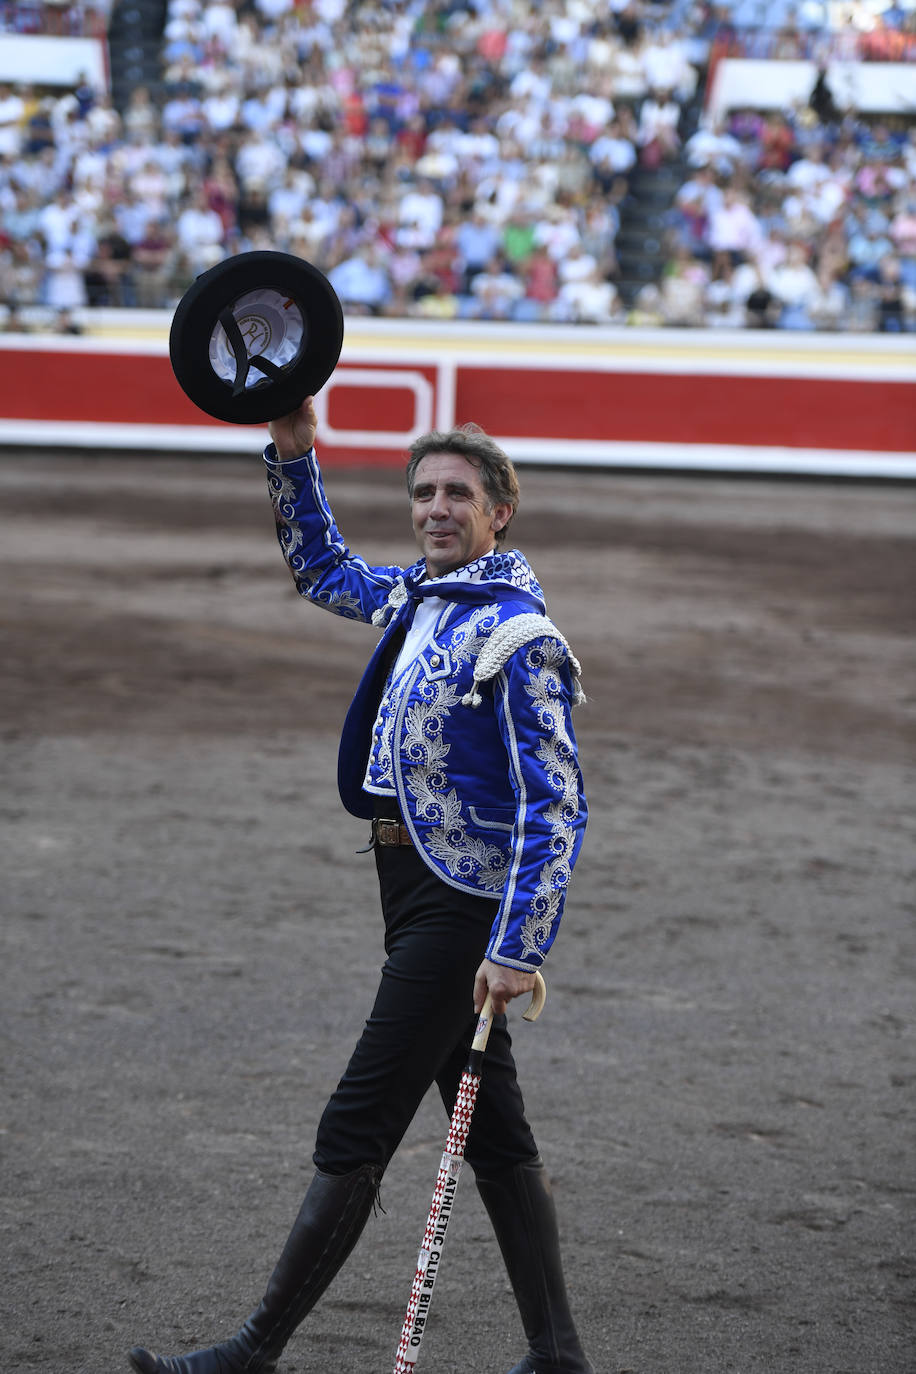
pixel 462 1113
pixel 434 1235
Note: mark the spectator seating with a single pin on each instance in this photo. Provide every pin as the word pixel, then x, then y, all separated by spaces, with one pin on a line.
pixel 540 163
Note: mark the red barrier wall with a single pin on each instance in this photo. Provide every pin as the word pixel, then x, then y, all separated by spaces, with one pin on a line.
pixel 684 401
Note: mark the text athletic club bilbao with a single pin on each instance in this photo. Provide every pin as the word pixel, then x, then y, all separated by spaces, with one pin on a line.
pixel 429 1259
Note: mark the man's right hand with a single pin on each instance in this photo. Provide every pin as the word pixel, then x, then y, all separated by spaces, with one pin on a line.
pixel 294 434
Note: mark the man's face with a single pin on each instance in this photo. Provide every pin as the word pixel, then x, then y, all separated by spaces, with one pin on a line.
pixel 453 519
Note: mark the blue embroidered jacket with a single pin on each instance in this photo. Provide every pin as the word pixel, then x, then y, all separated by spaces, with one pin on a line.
pixel 474 737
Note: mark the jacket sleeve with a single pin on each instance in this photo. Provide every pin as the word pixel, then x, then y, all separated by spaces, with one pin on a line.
pixel 323 568
pixel 533 697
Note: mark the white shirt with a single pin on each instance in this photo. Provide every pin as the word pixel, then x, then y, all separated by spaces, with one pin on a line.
pixel 427 614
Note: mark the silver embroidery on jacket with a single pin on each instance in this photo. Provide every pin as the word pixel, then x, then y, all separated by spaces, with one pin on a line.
pixel 423 743
pixel 555 751
pixel 283 499
pixel 396 598
pixel 283 490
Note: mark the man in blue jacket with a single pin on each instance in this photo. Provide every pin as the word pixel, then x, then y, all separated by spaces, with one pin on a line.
pixel 459 750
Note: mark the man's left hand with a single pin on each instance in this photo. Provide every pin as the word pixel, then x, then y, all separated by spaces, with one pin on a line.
pixel 502 983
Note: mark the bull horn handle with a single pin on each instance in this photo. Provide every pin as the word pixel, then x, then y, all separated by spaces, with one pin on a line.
pixel 538 998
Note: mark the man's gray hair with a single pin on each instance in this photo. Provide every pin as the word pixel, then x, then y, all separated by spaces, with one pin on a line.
pixel 497 472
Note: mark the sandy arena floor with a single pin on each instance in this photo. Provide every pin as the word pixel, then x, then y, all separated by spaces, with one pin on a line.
pixel 723 1080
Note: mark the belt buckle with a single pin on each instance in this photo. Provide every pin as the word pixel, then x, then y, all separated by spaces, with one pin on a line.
pixel 387 831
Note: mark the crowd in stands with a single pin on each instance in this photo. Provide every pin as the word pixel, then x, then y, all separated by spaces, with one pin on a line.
pixel 796 223
pixel 453 159
pixel 56 18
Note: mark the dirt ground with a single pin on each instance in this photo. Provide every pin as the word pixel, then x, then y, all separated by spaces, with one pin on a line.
pixel 723 1080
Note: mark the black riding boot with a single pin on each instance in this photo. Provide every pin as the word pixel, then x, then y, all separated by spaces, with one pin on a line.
pixel 329 1224
pixel 522 1211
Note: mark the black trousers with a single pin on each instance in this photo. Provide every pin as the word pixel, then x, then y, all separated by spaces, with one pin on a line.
pixel 420 1031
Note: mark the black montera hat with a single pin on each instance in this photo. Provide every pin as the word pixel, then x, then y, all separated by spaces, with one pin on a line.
pixel 255 335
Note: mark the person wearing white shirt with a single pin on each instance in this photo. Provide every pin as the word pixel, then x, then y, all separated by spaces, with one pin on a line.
pixel 199 231
pixel 613 151
pixel 794 283
pixel 220 19
pixel 577 265
pixel 590 299
pixel 557 232
pixel 657 131
pixel 733 226
pixel 260 164
pixel 288 200
pixel 420 216
pixel 57 222
pixel 12 114
pixel 459 752
pixel 221 110
pixel 713 146
pixel 666 66
pixel 810 171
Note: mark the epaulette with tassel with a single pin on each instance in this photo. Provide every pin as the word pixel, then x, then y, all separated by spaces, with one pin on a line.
pixel 505 640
